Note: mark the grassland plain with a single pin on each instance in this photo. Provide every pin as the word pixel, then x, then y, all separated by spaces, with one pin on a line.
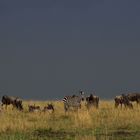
pixel 105 123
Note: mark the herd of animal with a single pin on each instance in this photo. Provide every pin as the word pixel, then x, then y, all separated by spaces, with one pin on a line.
pixel 74 102
pixel 127 99
pixel 17 103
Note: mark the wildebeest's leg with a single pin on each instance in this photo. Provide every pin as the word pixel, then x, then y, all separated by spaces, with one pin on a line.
pixel 130 105
pixel 125 105
pixel 121 105
pixel 6 106
pixel 138 102
pixel 88 106
pixel 116 104
pixel 80 106
pixel 2 105
pixel 53 110
pixel 97 105
pixel 14 106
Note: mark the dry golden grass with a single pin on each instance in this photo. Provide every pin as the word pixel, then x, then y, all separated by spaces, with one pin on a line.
pixel 106 119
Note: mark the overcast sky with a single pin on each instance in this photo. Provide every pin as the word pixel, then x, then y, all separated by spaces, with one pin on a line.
pixel 52 48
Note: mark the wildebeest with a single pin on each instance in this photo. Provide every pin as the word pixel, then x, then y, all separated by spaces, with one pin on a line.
pixel 122 100
pixel 118 101
pixel 134 97
pixel 92 101
pixel 15 101
pixel 73 101
pixel 49 107
pixel 34 108
pixel 18 104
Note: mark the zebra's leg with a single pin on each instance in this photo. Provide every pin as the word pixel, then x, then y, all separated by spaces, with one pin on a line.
pixel 76 109
pixel 65 108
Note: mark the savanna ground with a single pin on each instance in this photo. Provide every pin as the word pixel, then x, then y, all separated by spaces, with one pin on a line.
pixel 105 123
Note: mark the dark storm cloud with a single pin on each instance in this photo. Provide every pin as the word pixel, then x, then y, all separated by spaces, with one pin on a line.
pixel 52 48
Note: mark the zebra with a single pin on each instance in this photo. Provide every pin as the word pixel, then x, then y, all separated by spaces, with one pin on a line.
pixel 73 101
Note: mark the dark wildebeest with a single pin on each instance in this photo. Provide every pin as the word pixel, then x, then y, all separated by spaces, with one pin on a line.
pixel 73 101
pixel 118 101
pixel 18 104
pixel 15 101
pixel 134 97
pixel 49 107
pixel 122 100
pixel 33 108
pixel 92 101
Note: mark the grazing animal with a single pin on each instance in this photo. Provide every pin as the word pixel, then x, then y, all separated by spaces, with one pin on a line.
pixel 92 101
pixel 18 104
pixel 118 101
pixel 33 108
pixel 126 102
pixel 73 101
pixel 134 97
pixel 122 99
pixel 49 107
pixel 15 101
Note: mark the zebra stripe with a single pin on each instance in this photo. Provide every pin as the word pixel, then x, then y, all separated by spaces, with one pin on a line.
pixel 73 101
pixel 65 99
